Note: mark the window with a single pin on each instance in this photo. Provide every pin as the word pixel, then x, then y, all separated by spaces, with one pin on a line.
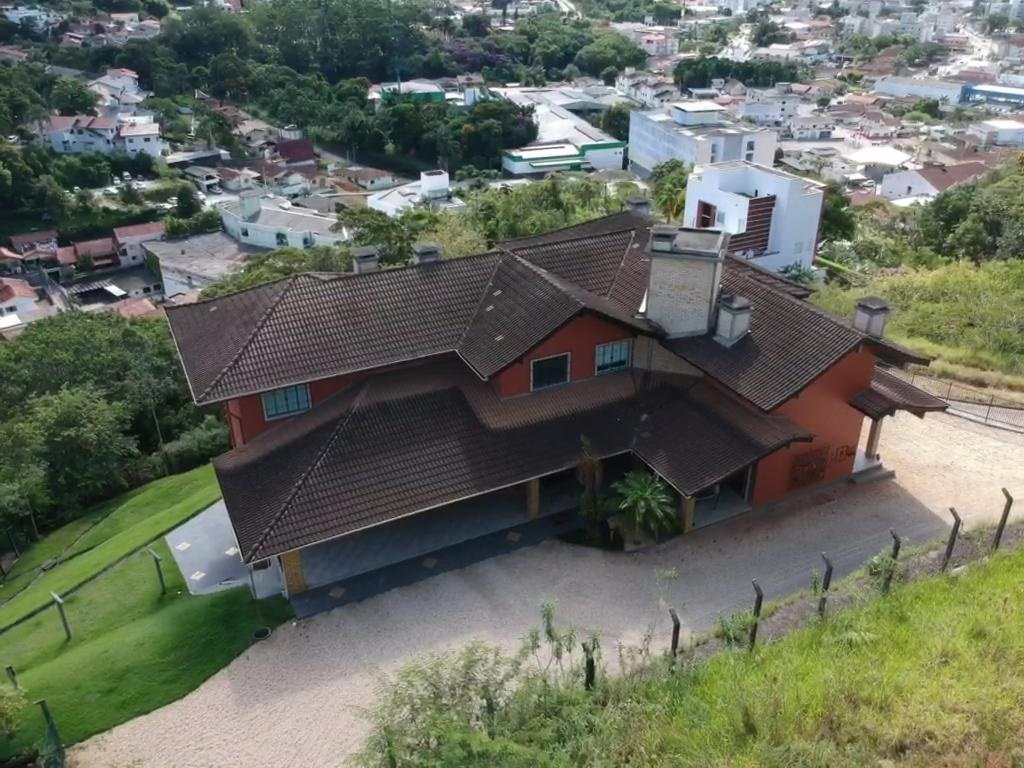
pixel 549 372
pixel 245 231
pixel 282 238
pixel 613 356
pixel 286 401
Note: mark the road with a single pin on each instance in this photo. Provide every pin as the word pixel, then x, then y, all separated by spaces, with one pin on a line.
pixel 297 698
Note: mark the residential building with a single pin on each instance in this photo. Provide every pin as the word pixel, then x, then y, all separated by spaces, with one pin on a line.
pixel 130 241
pixel 696 132
pixel 94 293
pixel 649 91
pixel 77 134
pixel 193 263
pixel 296 152
pixel 409 416
pixel 266 221
pixel 876 160
pixel 16 296
pixel 945 91
pixel 1003 132
pixel 237 179
pixel 119 92
pixel 203 177
pixel 370 179
pixel 925 183
pixel 769 106
pixel 812 127
pixel 138 137
pixel 433 191
pixel 876 124
pixel 772 216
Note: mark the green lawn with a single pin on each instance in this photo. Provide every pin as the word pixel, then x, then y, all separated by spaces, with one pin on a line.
pixel 118 528
pixel 133 650
pixel 929 676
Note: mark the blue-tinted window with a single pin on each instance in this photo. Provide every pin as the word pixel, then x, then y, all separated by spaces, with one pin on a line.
pixel 549 371
pixel 286 401
pixel 613 356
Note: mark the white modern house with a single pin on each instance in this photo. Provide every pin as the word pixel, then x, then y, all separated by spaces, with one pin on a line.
pixel 923 184
pixel 79 134
pixel 433 192
pixel 266 221
pixel 772 216
pixel 769 106
pixel 119 92
pixel 698 133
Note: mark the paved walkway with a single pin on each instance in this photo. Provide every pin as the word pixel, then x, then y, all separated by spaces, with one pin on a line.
pixel 296 699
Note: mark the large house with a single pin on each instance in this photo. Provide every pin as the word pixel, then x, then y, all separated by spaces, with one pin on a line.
pixel 76 134
pixel 390 424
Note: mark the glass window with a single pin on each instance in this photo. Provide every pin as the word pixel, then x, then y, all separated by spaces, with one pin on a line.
pixel 282 238
pixel 549 371
pixel 286 401
pixel 613 356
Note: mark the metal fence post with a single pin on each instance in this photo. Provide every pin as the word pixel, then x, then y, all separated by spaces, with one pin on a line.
pixel 826 582
pixel 63 616
pixel 896 544
pixel 758 602
pixel 675 631
pixel 988 411
pixel 952 538
pixel 1002 520
pixel 157 560
pixel 53 749
pixel 12 675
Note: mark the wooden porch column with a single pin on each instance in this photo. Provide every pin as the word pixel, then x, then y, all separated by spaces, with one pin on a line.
pixel 687 506
pixel 871 449
pixel 291 568
pixel 533 498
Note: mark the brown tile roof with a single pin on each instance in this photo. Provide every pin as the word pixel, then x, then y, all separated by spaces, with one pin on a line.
pixel 103 246
pixel 367 321
pixel 296 150
pixel 12 287
pixel 888 394
pixel 943 177
pixel 139 230
pixel 399 444
pixel 19 242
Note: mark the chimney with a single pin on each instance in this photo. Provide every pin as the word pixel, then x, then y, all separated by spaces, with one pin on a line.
pixel 423 253
pixel 870 315
pixel 686 266
pixel 639 205
pixel 365 258
pixel 250 203
pixel 733 319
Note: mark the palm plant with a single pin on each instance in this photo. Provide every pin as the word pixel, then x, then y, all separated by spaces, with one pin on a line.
pixel 645 500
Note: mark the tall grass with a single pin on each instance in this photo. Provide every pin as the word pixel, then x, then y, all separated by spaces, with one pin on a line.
pixel 928 676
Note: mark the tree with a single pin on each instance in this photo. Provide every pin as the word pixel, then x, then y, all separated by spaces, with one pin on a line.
pixel 609 75
pixel 929 107
pixel 283 262
pixel 670 179
pixel 837 220
pixel 456 236
pixel 996 22
pixel 188 204
pixel 476 24
pixel 71 96
pixel 609 50
pixel 645 502
pixel 81 439
pixel 615 121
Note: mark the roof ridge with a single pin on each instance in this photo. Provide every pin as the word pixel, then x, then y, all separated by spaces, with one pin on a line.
pixel 301 482
pixel 239 292
pixel 252 335
pixel 622 265
pixel 552 279
pixel 588 236
pixel 483 297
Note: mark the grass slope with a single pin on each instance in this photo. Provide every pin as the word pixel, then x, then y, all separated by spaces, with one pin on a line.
pixel 959 313
pixel 133 650
pixel 927 676
pixel 118 528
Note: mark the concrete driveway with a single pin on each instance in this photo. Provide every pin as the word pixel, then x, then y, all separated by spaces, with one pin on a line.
pixel 296 699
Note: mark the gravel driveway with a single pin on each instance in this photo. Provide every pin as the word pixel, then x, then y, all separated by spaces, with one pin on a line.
pixel 296 698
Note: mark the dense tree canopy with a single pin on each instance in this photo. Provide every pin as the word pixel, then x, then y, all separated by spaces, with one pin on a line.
pixel 698 73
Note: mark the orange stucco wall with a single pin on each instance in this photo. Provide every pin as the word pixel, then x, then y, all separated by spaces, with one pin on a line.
pixel 823 409
pixel 578 337
pixel 245 414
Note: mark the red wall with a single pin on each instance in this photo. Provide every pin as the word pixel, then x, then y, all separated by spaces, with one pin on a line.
pixel 245 414
pixel 578 337
pixel 823 408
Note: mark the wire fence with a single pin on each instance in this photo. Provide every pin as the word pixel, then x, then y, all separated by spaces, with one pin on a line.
pixel 971 403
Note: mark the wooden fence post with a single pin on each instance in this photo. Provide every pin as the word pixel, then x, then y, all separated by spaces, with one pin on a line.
pixel 897 542
pixel 826 582
pixel 63 616
pixel 12 675
pixel 951 543
pixel 758 602
pixel 1002 520
pixel 590 668
pixel 675 631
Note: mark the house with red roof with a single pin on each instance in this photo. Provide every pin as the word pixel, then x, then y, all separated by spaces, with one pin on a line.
pixel 390 424
pixel 77 134
pixel 129 240
pixel 296 152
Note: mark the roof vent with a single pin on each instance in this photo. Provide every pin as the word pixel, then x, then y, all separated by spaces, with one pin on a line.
pixel 423 253
pixel 733 319
pixel 365 258
pixel 870 315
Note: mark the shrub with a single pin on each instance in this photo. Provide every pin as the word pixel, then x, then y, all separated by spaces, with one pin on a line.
pixel 196 446
pixel 11 703
pixel 881 568
pixel 735 629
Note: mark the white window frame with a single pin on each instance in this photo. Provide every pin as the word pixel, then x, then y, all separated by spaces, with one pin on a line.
pixel 568 371
pixel 629 356
pixel 263 402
